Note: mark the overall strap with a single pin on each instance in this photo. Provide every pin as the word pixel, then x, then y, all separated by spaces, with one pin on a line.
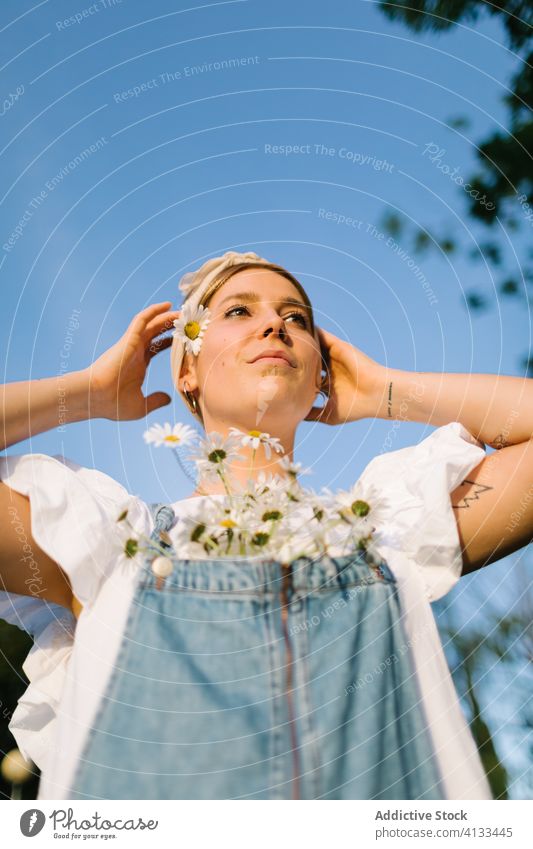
pixel 163 516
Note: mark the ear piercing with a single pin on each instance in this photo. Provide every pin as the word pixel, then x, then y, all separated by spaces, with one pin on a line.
pixel 193 406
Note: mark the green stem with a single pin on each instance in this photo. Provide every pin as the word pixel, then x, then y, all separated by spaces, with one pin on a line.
pixel 220 473
pixel 252 463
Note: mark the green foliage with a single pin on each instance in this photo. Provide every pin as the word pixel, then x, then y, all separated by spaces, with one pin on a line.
pixel 392 224
pixel 438 15
pixel 15 645
pixel 483 653
pixel 504 168
pixel 475 301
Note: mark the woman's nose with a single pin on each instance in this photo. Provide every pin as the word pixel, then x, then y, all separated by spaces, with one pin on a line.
pixel 274 324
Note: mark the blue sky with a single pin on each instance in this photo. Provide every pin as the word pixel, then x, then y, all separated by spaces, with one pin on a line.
pixel 175 168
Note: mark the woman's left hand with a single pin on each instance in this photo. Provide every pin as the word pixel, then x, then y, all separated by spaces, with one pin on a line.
pixel 354 381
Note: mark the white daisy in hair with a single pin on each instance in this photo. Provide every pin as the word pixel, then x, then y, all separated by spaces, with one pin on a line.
pixel 255 438
pixel 191 325
pixel 171 436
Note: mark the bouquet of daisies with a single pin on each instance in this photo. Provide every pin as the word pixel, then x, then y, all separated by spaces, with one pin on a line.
pixel 272 517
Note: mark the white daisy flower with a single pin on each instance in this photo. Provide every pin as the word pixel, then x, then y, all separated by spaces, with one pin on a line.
pixel 293 547
pixel 123 510
pixel 268 511
pixel 170 436
pixel 125 540
pixel 274 517
pixel 216 451
pixel 365 507
pixel 293 469
pixel 255 438
pixel 191 325
pixel 270 483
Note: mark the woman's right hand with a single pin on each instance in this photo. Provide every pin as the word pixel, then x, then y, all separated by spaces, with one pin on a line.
pixel 116 377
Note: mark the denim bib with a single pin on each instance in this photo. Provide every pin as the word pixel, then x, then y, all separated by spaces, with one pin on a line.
pixel 253 679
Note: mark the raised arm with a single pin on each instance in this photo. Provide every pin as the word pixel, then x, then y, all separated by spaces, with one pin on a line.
pixel 496 409
pixel 494 506
pixel 110 388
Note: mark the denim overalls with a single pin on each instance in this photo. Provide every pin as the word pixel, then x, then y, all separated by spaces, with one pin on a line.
pixel 255 680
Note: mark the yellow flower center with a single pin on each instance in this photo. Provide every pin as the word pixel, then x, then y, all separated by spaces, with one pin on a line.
pixel 172 438
pixel 228 523
pixel 360 508
pixel 192 329
pixel 254 433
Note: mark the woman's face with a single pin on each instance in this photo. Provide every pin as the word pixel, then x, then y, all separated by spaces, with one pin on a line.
pixel 256 310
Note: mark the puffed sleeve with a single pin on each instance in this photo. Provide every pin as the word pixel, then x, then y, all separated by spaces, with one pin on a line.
pixel 73 514
pixel 73 520
pixel 418 518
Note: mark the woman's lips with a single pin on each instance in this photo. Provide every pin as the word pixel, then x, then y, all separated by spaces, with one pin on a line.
pixel 275 354
pixel 280 360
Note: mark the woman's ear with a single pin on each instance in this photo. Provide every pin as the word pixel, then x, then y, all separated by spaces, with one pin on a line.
pixel 324 365
pixel 188 374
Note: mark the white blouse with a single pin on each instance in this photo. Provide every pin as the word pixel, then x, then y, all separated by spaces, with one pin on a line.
pixel 73 513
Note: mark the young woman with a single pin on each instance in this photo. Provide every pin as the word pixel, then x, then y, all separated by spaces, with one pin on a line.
pixel 175 672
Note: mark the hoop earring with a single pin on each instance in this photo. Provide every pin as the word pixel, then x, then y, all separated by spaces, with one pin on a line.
pixel 193 407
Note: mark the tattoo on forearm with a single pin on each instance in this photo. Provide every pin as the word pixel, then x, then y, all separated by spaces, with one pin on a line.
pixel 389 402
pixel 479 490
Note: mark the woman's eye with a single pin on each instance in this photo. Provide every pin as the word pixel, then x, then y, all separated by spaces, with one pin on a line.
pixel 300 316
pixel 228 312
